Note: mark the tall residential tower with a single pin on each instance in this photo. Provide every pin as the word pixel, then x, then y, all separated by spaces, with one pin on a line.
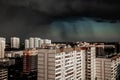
pixel 15 42
pixel 2 47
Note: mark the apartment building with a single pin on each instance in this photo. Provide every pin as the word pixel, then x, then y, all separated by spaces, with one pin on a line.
pixel 108 68
pixel 3 73
pixel 90 56
pixel 107 63
pixel 29 61
pixel 4 63
pixel 59 64
pixel 91 62
pixel 35 42
pixel 15 42
pixel 66 63
pixel 2 48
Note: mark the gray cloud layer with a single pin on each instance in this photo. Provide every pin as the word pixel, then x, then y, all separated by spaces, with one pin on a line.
pixel 70 7
pixel 34 17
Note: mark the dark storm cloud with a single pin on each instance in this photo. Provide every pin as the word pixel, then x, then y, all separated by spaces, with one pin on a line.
pixel 100 8
pixel 34 17
pixel 21 22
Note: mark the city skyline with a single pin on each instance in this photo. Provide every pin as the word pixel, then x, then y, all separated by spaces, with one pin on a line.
pixel 39 59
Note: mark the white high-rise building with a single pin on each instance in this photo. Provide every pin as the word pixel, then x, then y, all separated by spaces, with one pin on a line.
pixel 83 63
pixel 31 42
pixel 36 44
pixel 93 62
pixel 15 42
pixel 41 41
pixel 2 38
pixel 88 62
pixel 47 41
pixel 80 63
pixel 2 47
pixel 61 64
pixel 108 68
pixel 3 70
pixel 107 63
pixel 27 43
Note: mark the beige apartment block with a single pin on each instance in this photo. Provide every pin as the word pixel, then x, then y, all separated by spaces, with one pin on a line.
pixel 108 68
pixel 59 64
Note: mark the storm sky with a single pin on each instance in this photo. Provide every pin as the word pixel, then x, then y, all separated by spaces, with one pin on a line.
pixel 61 20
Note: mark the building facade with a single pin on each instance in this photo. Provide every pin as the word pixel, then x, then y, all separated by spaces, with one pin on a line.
pixel 27 42
pixel 66 64
pixel 35 42
pixel 29 61
pixel 4 63
pixel 15 42
pixel 2 48
pixel 108 68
